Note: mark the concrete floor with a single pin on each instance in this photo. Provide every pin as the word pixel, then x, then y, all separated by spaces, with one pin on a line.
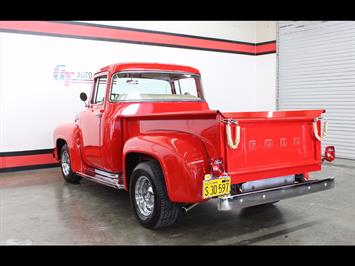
pixel 38 208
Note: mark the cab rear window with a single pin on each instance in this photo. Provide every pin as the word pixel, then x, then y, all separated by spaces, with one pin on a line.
pixel 155 86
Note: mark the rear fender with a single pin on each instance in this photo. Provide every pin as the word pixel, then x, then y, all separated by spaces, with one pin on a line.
pixel 70 134
pixel 182 156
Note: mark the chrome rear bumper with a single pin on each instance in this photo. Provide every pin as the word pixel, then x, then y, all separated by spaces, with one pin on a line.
pixel 263 196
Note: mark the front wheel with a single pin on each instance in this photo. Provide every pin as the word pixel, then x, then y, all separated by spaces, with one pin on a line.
pixel 149 197
pixel 65 164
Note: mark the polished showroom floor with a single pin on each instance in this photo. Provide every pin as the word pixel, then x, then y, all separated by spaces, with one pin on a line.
pixel 38 208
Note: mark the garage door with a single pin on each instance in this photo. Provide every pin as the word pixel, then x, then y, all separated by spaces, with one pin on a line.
pixel 316 69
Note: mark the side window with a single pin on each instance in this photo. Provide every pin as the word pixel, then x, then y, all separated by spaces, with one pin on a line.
pixel 186 86
pixel 100 90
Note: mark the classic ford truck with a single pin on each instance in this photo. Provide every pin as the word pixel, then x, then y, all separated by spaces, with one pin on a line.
pixel 147 129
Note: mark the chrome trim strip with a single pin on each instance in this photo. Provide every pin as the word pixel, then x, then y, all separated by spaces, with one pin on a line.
pixel 157 100
pixel 99 179
pixel 259 197
pixel 111 182
pixel 106 174
pixel 99 74
pixel 156 71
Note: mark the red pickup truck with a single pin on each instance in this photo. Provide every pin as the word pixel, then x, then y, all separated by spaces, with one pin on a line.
pixel 147 129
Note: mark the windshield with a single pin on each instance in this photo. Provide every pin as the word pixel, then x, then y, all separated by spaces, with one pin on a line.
pixel 155 86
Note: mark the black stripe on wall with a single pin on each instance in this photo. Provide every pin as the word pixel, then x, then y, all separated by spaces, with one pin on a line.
pixel 28 167
pixel 28 152
pixel 156 32
pixel 262 43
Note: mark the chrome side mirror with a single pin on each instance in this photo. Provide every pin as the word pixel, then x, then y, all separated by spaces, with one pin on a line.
pixel 84 97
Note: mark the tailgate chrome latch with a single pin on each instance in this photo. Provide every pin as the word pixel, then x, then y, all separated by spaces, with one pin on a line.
pixel 230 121
pixel 232 144
pixel 324 132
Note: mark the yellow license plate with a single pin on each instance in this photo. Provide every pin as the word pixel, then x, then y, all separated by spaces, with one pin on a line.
pixel 216 187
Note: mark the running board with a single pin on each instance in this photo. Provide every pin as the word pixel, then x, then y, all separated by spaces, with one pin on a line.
pixel 106 174
pixel 105 178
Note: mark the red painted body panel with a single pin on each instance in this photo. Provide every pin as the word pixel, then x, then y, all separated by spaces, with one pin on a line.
pixel 90 126
pixel 112 138
pixel 149 66
pixel 184 136
pixel 70 134
pixel 274 144
pixel 183 159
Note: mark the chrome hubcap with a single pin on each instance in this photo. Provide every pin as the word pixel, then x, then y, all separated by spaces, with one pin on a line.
pixel 144 196
pixel 65 162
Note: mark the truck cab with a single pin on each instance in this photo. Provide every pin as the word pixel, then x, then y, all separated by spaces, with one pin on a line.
pixel 132 89
pixel 147 128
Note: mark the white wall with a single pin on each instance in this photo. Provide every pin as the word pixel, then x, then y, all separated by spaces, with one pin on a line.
pixel 33 103
pixel 265 66
pixel 265 86
pixel 265 31
pixel 230 30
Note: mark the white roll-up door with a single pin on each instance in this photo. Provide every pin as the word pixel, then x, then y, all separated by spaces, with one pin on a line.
pixel 316 70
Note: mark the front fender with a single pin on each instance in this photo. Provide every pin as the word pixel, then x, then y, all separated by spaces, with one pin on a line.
pixel 183 158
pixel 70 134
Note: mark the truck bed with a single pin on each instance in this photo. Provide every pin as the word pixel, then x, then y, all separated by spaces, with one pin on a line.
pixel 271 144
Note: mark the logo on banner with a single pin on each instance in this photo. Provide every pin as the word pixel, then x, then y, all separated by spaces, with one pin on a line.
pixel 68 76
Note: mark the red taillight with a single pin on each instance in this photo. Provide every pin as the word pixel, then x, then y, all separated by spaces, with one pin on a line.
pixel 329 153
pixel 217 168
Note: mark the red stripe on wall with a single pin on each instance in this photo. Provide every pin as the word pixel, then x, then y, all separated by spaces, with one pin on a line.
pixel 26 160
pixel 143 37
pixel 265 48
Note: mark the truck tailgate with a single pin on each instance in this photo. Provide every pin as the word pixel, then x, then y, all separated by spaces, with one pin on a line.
pixel 272 144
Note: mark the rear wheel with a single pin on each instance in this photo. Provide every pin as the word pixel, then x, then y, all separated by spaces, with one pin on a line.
pixel 65 164
pixel 149 197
